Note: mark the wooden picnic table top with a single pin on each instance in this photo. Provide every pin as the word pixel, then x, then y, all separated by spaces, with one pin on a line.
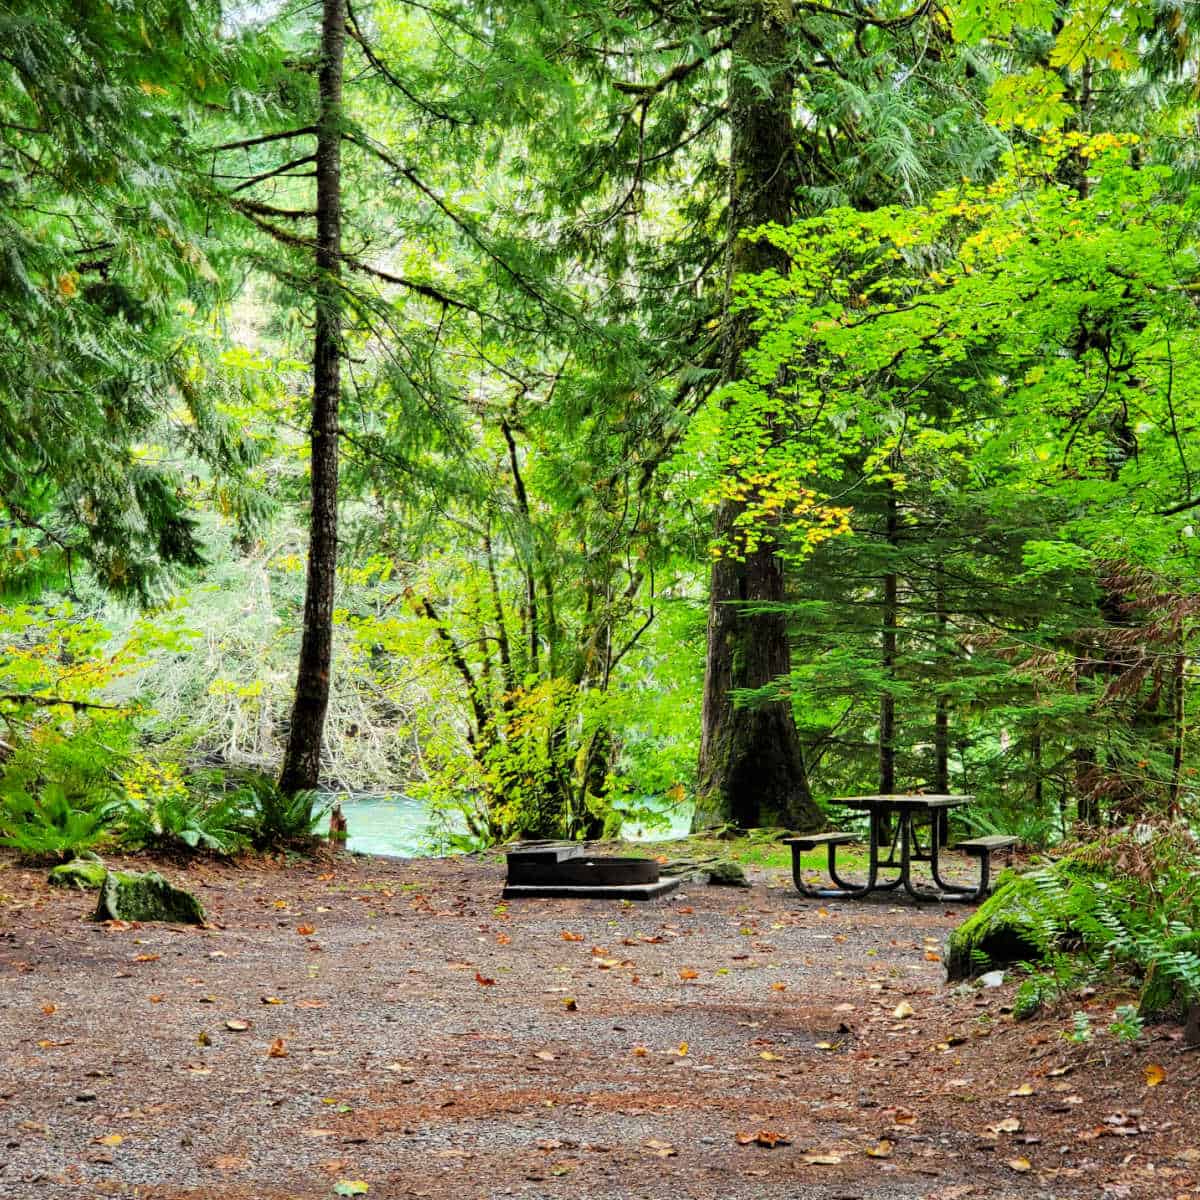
pixel 903 800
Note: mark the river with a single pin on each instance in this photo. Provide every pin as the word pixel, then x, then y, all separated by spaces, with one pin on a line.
pixel 399 826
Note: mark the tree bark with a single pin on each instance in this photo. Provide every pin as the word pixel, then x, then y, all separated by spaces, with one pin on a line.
pixel 889 617
pixel 751 768
pixel 941 719
pixel 302 759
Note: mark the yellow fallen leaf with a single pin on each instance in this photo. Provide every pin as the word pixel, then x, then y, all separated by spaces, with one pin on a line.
pixel 1020 1164
pixel 544 1055
pixel 823 1046
pixel 1008 1125
pixel 109 1139
pixel 640 1051
pixel 271 1000
pixel 902 1010
pixel 881 1149
pixel 1154 1073
pixel 1026 1089
pixel 682 1050
pixel 769 1057
pixel 822 1160
pixel 779 987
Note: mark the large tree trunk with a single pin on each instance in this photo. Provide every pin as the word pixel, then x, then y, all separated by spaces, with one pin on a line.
pixel 751 765
pixel 302 760
pixel 890 620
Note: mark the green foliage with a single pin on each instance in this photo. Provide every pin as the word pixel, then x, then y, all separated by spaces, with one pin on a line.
pixel 271 818
pixel 1125 908
pixel 161 813
pixel 59 794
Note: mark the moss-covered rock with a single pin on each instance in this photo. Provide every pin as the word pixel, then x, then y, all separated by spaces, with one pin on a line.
pixel 727 874
pixel 86 874
pixel 1001 930
pixel 125 896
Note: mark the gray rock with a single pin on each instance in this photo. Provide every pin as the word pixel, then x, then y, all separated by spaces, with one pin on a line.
pixel 82 873
pixel 727 874
pixel 125 896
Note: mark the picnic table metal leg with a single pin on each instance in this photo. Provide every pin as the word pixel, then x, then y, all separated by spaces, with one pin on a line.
pixel 844 890
pixel 956 890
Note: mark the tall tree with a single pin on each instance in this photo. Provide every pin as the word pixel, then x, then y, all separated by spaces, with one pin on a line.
pixel 751 764
pixel 302 760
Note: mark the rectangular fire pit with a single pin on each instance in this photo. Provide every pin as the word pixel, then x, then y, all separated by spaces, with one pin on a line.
pixel 566 869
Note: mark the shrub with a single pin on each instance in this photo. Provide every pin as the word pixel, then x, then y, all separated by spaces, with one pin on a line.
pixel 59 793
pixel 273 819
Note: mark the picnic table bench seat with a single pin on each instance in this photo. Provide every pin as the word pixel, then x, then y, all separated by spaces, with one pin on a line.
pixel 982 848
pixel 810 841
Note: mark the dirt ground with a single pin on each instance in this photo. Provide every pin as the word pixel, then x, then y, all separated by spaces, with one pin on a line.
pixel 392 1023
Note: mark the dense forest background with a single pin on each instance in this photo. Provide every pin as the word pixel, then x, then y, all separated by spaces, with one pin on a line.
pixel 560 413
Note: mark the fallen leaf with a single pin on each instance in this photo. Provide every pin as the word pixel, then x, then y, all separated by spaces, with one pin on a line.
pixel 49 1009
pixel 1056 1071
pixel 1154 1073
pixel 272 1000
pixel 502 939
pixel 109 1139
pixel 769 1057
pixel 1026 1089
pixel 640 1051
pixel 237 1026
pixel 763 1137
pixel 145 958
pixel 568 936
pixel 310 1003
pixel 902 1010
pixel 203 1039
pixel 682 1049
pixel 1008 1125
pixel 824 1046
pixel 544 1055
pixel 1020 1164
pixel 483 980
pixel 688 973
pixel 320 1133
pixel 277 1049
pixel 930 956
pixel 822 1160
pixel 569 1004
pixel 778 987
pixel 660 1149
pixel 157 999
pixel 351 1187
pixel 304 931
pixel 881 1149
pixel 687 909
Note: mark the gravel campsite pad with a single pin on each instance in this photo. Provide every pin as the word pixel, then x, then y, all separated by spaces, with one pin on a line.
pixel 389 1028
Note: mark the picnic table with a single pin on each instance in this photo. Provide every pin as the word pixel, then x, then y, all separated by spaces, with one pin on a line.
pixel 910 829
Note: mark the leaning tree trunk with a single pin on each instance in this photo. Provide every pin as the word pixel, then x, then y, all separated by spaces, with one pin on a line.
pixel 302 760
pixel 751 765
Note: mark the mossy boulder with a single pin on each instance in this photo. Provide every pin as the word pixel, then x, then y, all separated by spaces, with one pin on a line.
pixel 125 896
pixel 86 874
pixel 1003 929
pixel 727 874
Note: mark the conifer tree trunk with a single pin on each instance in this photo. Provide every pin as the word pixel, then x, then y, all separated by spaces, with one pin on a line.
pixel 941 718
pixel 751 766
pixel 302 759
pixel 890 619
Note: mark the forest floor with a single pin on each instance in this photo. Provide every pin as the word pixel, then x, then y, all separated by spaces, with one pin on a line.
pixel 393 1022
